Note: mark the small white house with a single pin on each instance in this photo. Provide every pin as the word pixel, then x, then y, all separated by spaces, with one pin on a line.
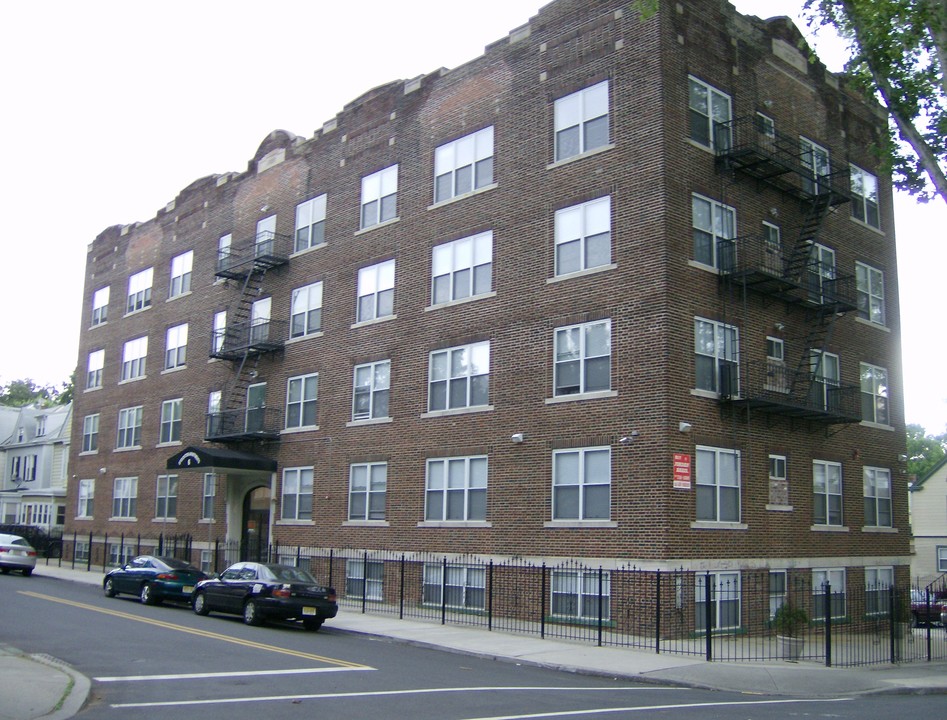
pixel 928 501
pixel 34 452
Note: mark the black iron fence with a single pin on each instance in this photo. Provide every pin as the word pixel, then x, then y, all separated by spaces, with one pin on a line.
pixel 748 615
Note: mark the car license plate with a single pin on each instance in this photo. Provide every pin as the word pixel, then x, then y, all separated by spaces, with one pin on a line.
pixel 19 553
pixel 309 611
pixel 187 589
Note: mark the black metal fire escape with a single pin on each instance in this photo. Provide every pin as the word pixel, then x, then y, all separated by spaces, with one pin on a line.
pixel 798 276
pixel 246 339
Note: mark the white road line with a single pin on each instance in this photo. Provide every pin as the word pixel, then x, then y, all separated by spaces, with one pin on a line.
pixel 530 716
pixel 247 673
pixel 379 693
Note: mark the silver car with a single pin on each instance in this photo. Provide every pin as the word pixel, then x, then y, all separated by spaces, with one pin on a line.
pixel 16 554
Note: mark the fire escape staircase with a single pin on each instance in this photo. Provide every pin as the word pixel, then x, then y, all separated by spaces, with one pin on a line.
pixel 797 276
pixel 245 340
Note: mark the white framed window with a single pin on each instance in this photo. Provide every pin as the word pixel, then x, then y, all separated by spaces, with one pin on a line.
pixel 265 242
pixel 777 376
pixel 716 357
pixel 710 111
pixel 462 268
pixel 832 581
pixel 134 355
pixel 877 487
pixel 456 489
pixel 864 196
pixel 718 484
pixel 941 558
pixel 260 320
pixel 714 224
pixel 166 497
pixel 581 484
pixel 90 433
pixel 219 331
pixel 310 223
pixel 94 373
pixel 821 274
pixel 575 594
pixel 213 402
pixel 208 496
pixel 364 578
pixel 583 358
pixel 297 493
pixel 874 393
pixel 777 467
pixel 86 498
pixel 463 587
pixel 777 591
pixel 766 126
pixel 870 287
pixel 464 165
pixel 302 394
pixel 773 261
pixel 175 354
pixel 581 121
pixel 376 291
pixel 171 421
pixel 181 267
pixel 371 388
pixel 815 160
pixel 459 377
pixel 584 236
pixel 120 553
pixel 124 497
pixel 40 425
pixel 724 601
pixel 368 485
pixel 225 257
pixel 878 584
pixel 825 370
pixel 139 290
pixel 306 310
pixel 129 427
pixel 100 305
pixel 827 492
pixel 379 197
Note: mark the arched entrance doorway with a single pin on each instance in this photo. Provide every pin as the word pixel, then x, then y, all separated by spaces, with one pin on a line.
pixel 255 534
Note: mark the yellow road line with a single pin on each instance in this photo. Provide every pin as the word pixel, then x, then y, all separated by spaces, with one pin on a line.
pixel 199 633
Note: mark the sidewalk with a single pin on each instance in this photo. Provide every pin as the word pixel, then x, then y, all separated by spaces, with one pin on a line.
pixel 51 683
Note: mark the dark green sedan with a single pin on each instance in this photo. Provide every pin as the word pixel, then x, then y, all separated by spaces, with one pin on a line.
pixel 153 579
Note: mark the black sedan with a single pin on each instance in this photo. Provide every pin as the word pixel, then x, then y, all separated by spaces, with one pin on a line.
pixel 153 579
pixel 258 592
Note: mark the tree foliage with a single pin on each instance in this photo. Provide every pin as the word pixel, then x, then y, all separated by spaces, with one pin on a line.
pixel 924 451
pixel 18 393
pixel 898 55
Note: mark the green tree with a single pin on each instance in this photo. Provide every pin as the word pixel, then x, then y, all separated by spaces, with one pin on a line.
pixel 898 55
pixel 924 451
pixel 18 393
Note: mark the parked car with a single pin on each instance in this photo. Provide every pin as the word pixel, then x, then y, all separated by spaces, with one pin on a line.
pixel 16 554
pixel 260 591
pixel 153 579
pixel 921 614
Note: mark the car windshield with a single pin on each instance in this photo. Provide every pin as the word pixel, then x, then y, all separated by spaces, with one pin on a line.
pixel 286 573
pixel 20 542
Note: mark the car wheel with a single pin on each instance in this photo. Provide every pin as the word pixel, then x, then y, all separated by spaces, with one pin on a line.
pixel 5 571
pixel 109 588
pixel 200 604
pixel 313 624
pixel 251 613
pixel 147 595
pixel 27 572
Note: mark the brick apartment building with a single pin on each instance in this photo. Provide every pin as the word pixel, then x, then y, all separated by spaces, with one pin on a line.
pixel 620 290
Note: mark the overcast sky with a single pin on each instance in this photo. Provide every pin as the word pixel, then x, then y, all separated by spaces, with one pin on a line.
pixel 111 108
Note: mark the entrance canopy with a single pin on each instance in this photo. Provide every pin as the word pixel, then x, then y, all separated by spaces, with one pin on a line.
pixel 204 458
